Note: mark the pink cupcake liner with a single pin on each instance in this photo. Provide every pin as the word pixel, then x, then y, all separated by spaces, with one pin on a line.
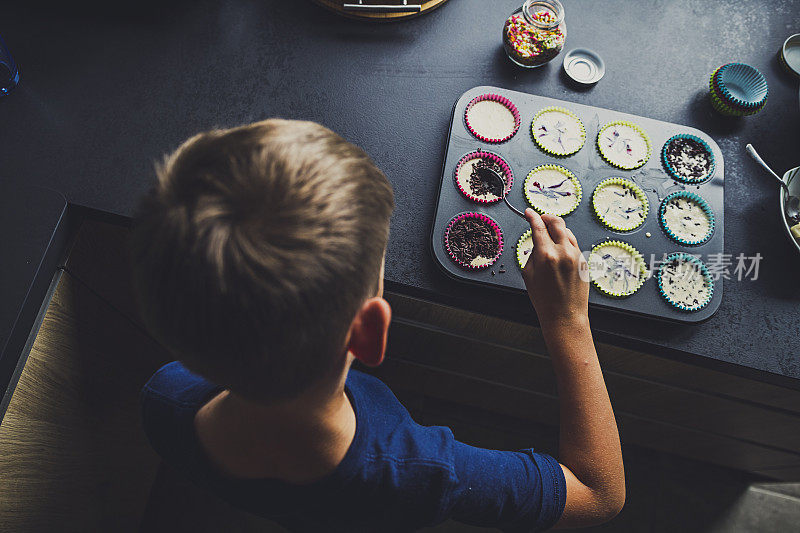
pixel 501 100
pixel 484 155
pixel 491 224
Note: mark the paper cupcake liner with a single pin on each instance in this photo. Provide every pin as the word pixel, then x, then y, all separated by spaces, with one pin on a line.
pixel 484 155
pixel 717 86
pixel 501 100
pixel 752 82
pixel 703 270
pixel 490 221
pixel 626 183
pixel 566 112
pixel 671 170
pixel 726 110
pixel 637 258
pixel 638 130
pixel 523 259
pixel 703 205
pixel 567 174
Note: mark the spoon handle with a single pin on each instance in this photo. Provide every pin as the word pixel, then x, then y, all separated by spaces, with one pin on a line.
pixel 757 158
pixel 517 211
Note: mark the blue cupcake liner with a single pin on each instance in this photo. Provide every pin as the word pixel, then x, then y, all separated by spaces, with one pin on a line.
pixel 703 270
pixel 672 172
pixel 703 205
pixel 753 89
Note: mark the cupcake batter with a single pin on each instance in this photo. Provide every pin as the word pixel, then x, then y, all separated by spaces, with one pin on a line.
pixel 615 271
pixel 684 284
pixel 552 191
pixel 686 219
pixel 618 206
pixel 473 183
pixel 689 159
pixel 558 132
pixel 524 249
pixel 624 146
pixel 491 119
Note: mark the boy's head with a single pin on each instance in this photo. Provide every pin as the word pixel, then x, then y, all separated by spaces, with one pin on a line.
pixel 257 249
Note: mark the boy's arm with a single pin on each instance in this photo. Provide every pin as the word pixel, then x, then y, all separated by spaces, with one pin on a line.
pixel 556 276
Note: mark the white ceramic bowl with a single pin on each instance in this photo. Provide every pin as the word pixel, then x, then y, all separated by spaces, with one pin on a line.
pixel 792 178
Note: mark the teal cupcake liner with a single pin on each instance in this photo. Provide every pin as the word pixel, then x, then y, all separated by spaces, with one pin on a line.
pixel 672 172
pixel 703 205
pixel 740 85
pixel 709 281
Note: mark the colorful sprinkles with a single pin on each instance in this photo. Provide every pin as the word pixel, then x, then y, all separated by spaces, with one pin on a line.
pixel 529 45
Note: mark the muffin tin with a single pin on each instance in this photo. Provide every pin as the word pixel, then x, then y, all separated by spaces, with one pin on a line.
pixel 522 155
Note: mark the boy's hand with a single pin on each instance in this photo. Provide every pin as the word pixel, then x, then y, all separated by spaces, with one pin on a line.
pixel 556 274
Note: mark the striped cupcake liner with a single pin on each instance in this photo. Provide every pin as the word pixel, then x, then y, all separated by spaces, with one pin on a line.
pixel 724 109
pixel 567 174
pixel 638 192
pixel 490 222
pixel 688 258
pixel 567 112
pixel 671 170
pixel 738 107
pixel 500 100
pixel 637 259
pixel 609 157
pixel 481 154
pixel 524 251
pixel 753 90
pixel 696 198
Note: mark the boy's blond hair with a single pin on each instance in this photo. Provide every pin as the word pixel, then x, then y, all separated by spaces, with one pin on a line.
pixel 256 248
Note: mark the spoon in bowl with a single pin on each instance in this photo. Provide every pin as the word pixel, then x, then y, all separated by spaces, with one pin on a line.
pixel 497 179
pixel 792 204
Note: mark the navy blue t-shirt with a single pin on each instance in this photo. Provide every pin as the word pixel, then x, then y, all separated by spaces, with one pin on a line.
pixel 396 475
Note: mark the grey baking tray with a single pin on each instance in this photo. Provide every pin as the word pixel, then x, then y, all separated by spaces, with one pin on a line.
pixel 522 154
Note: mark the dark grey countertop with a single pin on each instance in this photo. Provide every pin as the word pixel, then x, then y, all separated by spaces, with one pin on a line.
pixel 107 90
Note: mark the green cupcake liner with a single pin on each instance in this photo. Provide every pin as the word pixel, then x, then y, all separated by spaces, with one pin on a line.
pixel 561 153
pixel 699 201
pixel 609 157
pixel 567 174
pixel 637 259
pixel 522 257
pixel 688 258
pixel 636 191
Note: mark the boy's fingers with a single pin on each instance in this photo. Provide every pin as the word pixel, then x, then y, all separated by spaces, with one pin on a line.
pixel 557 228
pixel 573 239
pixel 540 236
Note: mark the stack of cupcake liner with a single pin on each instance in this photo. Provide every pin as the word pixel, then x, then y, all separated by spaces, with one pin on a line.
pixel 738 90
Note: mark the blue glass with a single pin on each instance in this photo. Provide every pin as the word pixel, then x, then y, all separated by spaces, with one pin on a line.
pixel 9 73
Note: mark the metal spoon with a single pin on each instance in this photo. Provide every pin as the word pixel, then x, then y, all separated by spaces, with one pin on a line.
pixel 492 174
pixel 792 204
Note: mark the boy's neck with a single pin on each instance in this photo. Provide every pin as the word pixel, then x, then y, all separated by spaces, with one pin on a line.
pixel 298 441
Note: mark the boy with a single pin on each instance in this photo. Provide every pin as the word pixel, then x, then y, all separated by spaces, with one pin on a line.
pixel 258 261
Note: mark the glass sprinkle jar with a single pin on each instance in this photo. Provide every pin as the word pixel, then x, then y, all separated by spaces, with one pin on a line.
pixel 535 33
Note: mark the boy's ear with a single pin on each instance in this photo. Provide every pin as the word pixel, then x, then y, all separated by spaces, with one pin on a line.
pixel 369 331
